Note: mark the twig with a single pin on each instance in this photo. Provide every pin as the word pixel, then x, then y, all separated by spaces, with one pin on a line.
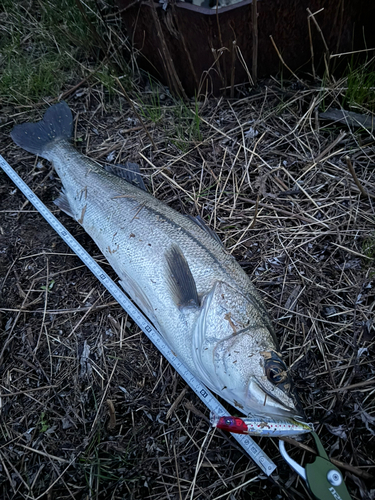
pixel 177 474
pixel 326 150
pixel 244 65
pixel 19 393
pixel 112 415
pixel 326 54
pixel 311 48
pixel 48 455
pixel 233 69
pixel 277 209
pixel 352 251
pixel 353 386
pixel 356 180
pixel 61 311
pixel 283 62
pixel 171 73
pixel 176 402
pixel 352 52
pixel 104 395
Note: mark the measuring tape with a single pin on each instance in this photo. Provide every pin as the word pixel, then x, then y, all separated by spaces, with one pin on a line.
pixel 249 445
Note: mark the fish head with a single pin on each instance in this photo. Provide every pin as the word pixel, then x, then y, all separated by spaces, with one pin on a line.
pixel 255 376
pixel 237 355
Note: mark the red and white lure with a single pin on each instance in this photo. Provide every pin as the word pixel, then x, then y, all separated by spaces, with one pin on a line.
pixel 258 426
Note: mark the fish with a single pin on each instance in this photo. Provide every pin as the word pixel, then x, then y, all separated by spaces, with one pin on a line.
pixel 175 268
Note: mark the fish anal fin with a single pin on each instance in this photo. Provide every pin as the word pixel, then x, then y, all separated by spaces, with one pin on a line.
pixel 129 171
pixel 200 222
pixel 180 279
pixel 63 203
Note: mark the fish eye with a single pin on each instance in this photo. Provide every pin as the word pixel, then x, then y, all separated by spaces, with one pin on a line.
pixel 276 371
pixel 228 421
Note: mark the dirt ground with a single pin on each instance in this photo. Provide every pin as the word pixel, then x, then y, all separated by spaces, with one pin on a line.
pixel 89 408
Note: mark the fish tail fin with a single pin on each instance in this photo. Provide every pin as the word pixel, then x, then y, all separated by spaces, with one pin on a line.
pixel 57 122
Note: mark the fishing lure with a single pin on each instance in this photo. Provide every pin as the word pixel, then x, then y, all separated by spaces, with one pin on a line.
pixel 260 426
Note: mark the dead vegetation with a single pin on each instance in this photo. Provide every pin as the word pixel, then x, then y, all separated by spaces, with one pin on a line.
pixel 89 409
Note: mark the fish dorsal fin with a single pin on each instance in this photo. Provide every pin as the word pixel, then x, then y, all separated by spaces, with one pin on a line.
pixel 130 172
pixel 63 203
pixel 200 222
pixel 180 279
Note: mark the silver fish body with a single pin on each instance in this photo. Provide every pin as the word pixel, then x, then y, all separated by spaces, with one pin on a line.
pixel 180 276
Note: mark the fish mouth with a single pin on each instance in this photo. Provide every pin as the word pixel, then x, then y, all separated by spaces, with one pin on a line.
pixel 278 385
pixel 283 402
pixel 274 393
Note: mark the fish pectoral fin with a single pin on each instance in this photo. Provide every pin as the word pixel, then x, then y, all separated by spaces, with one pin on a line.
pixel 63 203
pixel 139 298
pixel 130 172
pixel 180 279
pixel 200 222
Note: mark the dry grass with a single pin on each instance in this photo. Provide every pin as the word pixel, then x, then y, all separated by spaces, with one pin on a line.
pixel 86 400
